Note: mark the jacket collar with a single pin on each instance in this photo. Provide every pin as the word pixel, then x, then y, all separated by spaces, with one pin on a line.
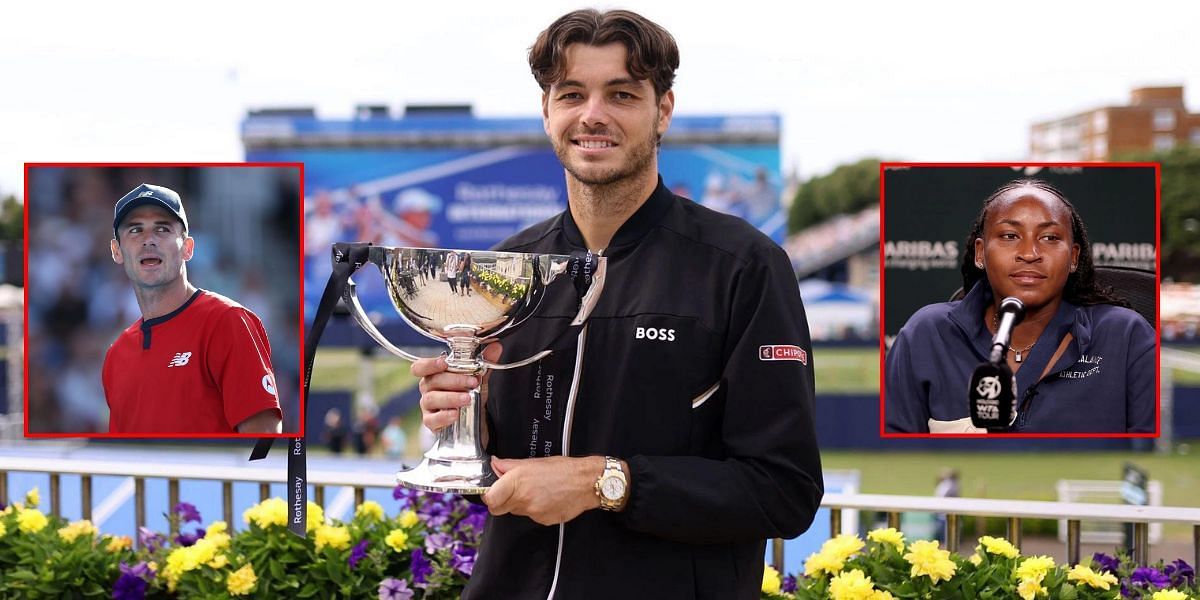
pixel 968 317
pixel 634 228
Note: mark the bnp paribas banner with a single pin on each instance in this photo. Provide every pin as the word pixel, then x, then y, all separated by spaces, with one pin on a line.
pixel 438 191
pixel 929 210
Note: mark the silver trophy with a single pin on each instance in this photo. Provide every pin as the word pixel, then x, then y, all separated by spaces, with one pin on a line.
pixel 468 299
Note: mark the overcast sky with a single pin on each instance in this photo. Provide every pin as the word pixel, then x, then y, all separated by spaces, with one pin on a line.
pixel 947 81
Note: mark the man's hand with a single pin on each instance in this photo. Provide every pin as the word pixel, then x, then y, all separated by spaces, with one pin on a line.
pixel 549 490
pixel 443 393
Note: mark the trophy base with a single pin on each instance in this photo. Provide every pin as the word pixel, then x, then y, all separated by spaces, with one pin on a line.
pixel 454 477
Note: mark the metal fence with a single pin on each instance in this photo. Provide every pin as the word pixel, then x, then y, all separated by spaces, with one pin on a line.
pixel 954 508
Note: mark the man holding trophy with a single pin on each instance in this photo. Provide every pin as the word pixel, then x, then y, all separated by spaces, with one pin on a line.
pixel 683 408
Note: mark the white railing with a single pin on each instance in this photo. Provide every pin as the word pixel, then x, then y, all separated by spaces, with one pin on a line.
pixel 954 508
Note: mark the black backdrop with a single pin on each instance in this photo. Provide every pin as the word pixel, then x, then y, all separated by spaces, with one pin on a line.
pixel 928 211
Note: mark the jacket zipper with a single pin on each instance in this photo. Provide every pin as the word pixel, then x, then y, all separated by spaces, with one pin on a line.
pixel 568 417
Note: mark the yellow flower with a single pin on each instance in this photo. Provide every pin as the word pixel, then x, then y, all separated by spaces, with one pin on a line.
pixel 337 538
pixel 219 561
pixel 397 539
pixel 1090 577
pixel 272 511
pixel 71 532
pixel 370 510
pixel 851 585
pixel 771 582
pixel 887 536
pixel 819 562
pixel 975 559
pixel 33 498
pixel 118 543
pixel 1169 595
pixel 882 595
pixel 926 559
pixel 241 581
pixel 314 516
pixel 999 546
pixel 1030 588
pixel 153 566
pixel 217 527
pixel 843 546
pixel 3 530
pixel 31 520
pixel 1034 568
pixel 408 518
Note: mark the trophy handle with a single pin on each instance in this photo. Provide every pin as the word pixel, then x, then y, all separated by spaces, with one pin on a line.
pixel 360 317
pixel 592 296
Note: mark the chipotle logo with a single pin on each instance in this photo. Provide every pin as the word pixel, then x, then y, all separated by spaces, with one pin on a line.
pixel 783 352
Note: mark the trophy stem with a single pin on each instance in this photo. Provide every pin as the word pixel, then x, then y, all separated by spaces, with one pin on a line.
pixel 456 462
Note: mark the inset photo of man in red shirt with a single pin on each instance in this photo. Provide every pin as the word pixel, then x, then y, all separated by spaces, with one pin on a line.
pixel 190 351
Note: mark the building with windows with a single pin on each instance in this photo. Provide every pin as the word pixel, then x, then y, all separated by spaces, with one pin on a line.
pixel 1155 119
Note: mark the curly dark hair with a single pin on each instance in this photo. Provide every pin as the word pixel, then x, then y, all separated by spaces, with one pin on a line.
pixel 1081 288
pixel 652 51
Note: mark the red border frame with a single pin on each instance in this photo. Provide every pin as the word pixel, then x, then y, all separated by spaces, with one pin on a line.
pixel 884 166
pixel 303 401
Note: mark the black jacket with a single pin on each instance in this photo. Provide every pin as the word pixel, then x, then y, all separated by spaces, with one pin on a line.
pixel 669 374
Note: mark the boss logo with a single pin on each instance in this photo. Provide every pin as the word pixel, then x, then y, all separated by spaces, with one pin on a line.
pixel 654 333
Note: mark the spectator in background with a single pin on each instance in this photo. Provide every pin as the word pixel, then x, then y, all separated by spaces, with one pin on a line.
pixel 335 431
pixel 394 439
pixel 947 487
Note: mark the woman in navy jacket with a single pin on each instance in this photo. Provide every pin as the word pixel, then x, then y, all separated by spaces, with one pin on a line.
pixel 1083 361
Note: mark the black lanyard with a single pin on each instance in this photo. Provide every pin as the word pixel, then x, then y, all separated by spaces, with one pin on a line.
pixel 347 258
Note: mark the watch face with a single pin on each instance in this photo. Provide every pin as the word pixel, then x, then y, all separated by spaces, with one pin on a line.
pixel 612 488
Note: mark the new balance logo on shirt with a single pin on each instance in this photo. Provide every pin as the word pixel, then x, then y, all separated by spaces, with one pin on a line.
pixel 181 359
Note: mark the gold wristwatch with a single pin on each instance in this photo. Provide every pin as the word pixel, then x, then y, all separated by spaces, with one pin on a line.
pixel 611 487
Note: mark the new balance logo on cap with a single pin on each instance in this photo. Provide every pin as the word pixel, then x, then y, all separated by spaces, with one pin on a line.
pixel 181 359
pixel 146 193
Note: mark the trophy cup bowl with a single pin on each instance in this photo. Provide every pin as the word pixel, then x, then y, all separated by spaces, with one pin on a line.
pixel 467 299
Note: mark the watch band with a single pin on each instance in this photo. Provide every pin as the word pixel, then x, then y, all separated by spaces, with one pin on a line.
pixel 612 471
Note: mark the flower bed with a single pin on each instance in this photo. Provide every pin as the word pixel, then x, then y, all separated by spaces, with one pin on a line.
pixel 885 567
pixel 427 551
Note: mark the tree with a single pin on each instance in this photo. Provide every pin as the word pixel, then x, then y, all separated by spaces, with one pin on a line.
pixel 1180 250
pixel 847 189
pixel 12 215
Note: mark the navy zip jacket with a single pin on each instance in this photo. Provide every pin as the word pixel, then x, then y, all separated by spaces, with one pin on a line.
pixel 696 368
pixel 1103 383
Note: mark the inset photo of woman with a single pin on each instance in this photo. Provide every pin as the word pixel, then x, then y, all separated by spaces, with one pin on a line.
pixel 1020 299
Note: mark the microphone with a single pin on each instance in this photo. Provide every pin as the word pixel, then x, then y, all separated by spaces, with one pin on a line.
pixel 993 386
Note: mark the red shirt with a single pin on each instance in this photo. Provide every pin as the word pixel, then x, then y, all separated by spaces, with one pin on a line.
pixel 203 368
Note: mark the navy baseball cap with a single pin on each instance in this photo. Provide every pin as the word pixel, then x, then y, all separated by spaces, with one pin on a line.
pixel 155 195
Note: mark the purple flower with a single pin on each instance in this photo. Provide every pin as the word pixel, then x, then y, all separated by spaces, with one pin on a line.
pixel 1180 572
pixel 438 541
pixel 421 568
pixel 470 527
pixel 187 539
pixel 394 589
pixel 151 540
pixel 435 514
pixel 187 512
pixel 463 559
pixel 358 553
pixel 407 497
pixel 789 584
pixel 1106 562
pixel 1150 576
pixel 139 570
pixel 129 587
